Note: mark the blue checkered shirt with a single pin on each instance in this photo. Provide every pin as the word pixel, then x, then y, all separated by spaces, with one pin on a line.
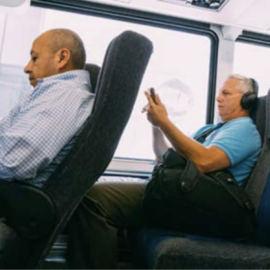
pixel 39 132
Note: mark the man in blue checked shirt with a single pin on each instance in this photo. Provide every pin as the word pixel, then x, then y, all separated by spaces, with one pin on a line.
pixel 40 130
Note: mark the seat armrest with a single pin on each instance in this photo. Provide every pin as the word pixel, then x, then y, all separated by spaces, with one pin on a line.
pixel 26 208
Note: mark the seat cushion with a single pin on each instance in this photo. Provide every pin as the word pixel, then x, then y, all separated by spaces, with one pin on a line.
pixel 184 253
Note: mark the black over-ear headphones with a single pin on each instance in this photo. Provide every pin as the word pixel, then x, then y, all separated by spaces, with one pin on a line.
pixel 249 99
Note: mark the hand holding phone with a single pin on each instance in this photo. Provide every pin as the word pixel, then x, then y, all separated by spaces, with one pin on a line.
pixel 153 94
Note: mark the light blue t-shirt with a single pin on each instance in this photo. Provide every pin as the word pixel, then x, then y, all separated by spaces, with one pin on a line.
pixel 241 141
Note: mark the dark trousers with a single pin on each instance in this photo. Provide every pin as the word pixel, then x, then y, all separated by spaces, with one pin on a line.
pixel 93 229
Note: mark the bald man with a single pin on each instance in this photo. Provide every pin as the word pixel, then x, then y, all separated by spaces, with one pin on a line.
pixel 39 132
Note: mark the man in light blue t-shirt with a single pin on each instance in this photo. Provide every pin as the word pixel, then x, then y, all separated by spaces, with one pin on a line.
pixel 110 205
pixel 234 139
pixel 226 147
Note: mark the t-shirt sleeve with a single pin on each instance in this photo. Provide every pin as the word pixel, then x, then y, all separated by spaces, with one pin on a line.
pixel 237 140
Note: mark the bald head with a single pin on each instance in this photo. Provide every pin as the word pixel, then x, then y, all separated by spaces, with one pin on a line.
pixel 65 38
pixel 54 52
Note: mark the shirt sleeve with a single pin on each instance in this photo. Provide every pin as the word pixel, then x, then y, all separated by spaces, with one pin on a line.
pixel 237 140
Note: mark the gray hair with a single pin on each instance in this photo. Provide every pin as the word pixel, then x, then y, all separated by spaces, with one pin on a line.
pixel 65 38
pixel 245 84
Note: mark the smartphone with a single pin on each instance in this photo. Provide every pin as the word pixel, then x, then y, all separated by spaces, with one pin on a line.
pixel 153 94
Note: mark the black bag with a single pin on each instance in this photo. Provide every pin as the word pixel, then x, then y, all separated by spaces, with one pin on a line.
pixel 179 197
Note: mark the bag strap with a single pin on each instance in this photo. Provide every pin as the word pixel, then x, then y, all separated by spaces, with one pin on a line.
pixel 189 177
pixel 225 178
pixel 202 136
pixel 237 192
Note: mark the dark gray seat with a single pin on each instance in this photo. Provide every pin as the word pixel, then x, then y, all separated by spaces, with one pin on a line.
pixel 117 87
pixel 93 70
pixel 171 250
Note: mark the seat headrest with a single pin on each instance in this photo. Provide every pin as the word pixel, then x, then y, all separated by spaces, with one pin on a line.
pixel 93 69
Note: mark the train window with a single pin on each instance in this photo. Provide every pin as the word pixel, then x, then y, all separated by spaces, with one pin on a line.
pixel 13 81
pixel 253 60
pixel 178 68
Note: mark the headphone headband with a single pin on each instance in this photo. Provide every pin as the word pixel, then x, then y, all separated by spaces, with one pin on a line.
pixel 249 99
pixel 255 86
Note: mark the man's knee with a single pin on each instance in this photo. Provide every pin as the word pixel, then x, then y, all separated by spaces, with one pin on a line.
pixel 98 191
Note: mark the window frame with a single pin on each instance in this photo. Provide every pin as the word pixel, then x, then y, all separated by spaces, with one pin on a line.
pixel 255 39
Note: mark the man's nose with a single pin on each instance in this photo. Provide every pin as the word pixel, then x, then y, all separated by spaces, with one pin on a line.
pixel 27 68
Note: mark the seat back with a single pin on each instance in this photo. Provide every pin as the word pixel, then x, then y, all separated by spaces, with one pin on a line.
pixel 117 86
pixel 93 70
pixel 262 234
pixel 258 185
pixel 257 180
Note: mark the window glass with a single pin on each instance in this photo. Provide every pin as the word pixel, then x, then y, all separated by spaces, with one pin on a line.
pixel 17 32
pixel 253 60
pixel 13 83
pixel 178 69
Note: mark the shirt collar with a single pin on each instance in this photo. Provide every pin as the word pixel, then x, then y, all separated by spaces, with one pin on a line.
pixel 74 75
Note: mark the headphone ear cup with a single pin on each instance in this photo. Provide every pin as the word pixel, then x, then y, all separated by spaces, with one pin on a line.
pixel 249 100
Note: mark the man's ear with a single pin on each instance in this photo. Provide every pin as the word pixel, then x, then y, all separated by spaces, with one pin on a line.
pixel 63 58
